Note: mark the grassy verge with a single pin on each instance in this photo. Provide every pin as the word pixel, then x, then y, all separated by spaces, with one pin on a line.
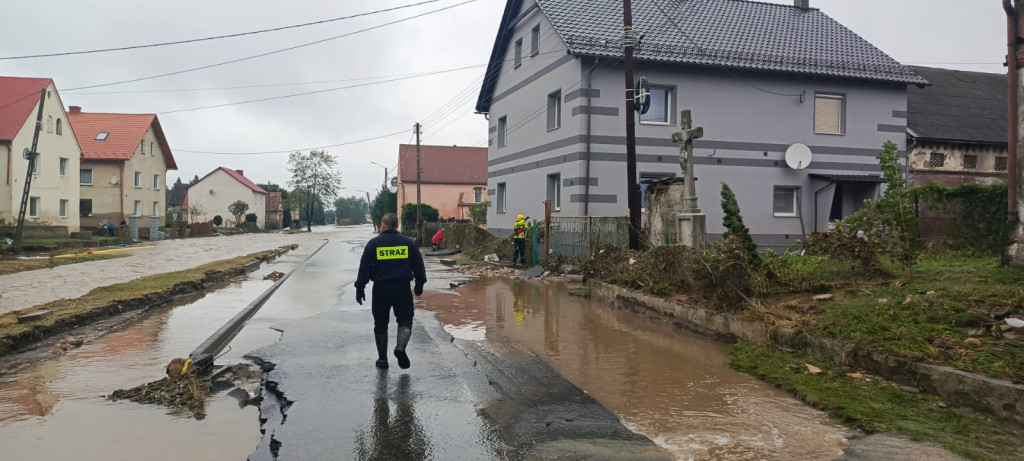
pixel 929 318
pixel 114 299
pixel 876 406
pixel 56 243
pixel 13 265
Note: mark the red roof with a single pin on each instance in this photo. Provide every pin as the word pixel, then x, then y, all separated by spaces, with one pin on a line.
pixel 238 177
pixel 443 164
pixel 18 98
pixel 124 133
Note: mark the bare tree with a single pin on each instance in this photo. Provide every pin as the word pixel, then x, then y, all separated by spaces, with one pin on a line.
pixel 316 174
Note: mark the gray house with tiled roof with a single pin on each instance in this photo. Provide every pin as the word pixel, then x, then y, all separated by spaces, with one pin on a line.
pixel 956 128
pixel 758 77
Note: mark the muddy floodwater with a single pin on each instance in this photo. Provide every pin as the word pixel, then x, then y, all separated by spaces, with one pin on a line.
pixel 57 409
pixel 670 385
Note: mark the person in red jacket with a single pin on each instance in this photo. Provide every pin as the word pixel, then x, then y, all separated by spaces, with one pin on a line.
pixel 438 238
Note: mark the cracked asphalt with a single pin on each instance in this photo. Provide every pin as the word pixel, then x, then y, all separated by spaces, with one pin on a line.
pixel 323 398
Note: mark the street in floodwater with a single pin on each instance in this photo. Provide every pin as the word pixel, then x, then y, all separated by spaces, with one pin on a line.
pixel 670 385
pixel 63 399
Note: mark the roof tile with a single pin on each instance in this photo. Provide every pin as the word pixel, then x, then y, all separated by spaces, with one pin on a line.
pixel 443 164
pixel 18 97
pixel 959 106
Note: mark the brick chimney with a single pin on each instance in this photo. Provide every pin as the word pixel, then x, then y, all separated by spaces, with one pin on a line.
pixel 804 4
pixel 75 109
pixel 241 172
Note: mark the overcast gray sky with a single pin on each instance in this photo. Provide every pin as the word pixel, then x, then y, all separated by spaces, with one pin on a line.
pixel 957 34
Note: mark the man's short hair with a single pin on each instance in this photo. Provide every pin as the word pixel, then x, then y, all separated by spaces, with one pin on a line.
pixel 390 221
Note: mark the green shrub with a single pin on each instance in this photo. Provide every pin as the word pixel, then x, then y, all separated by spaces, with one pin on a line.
pixel 251 218
pixel 217 220
pixel 428 213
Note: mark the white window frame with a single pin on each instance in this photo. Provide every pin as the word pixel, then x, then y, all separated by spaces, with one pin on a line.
pixel 517 58
pixel 502 131
pixel 64 166
pixel 478 194
pixel 37 163
pixel 795 191
pixel 156 182
pixel 670 92
pixel 535 41
pixel 80 170
pixel 555 110
pixel 554 192
pixel 142 147
pixel 502 198
pixel 138 208
pixel 60 127
pixel 64 208
pixel 38 202
pixel 156 209
pixel 138 180
pixel 842 112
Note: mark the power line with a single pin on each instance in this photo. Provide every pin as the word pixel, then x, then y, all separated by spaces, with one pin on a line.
pixel 292 150
pixel 306 93
pixel 139 79
pixel 215 37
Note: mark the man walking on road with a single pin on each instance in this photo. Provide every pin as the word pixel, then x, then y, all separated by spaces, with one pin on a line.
pixel 519 239
pixel 391 260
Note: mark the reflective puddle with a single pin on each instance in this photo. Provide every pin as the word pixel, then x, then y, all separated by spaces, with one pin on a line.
pixel 670 385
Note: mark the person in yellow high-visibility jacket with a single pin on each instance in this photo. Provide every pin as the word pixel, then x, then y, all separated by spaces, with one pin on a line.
pixel 519 232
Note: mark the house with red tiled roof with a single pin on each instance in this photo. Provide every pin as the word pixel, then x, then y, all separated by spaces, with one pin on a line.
pixel 54 192
pixel 451 179
pixel 125 158
pixel 214 193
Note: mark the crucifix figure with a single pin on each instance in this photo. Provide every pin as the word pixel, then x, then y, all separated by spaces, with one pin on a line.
pixel 684 138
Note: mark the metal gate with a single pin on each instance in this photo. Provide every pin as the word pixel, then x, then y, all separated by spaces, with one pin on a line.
pixel 575 237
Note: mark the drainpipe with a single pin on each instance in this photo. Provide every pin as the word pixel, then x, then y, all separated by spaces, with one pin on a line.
pixel 1011 81
pixel 590 116
pixel 120 186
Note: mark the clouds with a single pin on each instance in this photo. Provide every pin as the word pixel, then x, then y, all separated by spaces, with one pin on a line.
pixel 928 32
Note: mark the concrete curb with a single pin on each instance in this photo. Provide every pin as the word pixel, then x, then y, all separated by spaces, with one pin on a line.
pixel 204 354
pixel 1000 398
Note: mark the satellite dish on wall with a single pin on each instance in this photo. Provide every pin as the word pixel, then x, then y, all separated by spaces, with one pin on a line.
pixel 798 156
pixel 113 180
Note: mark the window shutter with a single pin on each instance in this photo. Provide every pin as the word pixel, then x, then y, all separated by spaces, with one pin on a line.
pixel 828 115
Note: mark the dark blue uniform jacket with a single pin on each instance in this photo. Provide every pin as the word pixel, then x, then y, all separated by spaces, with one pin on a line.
pixel 391 257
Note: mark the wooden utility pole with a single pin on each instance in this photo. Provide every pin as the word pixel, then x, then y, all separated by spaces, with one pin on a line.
pixel 632 188
pixel 31 155
pixel 1014 254
pixel 419 203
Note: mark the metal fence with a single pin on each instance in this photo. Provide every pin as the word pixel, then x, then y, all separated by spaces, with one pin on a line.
pixel 575 237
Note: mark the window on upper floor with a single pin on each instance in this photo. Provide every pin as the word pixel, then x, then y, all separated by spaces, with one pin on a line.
pixel 970 162
pixel 49 124
pixel 63 166
pixel 85 176
pixel 478 194
pixel 137 210
pixel 502 127
pixel 535 40
pixel 156 182
pixel 660 112
pixel 1001 164
pixel 102 136
pixel 138 179
pixel 785 201
pixel 37 163
pixel 829 113
pixel 937 160
pixel 142 147
pixel 555 110
pixel 152 151
pixel 33 207
pixel 518 59
pixel 60 128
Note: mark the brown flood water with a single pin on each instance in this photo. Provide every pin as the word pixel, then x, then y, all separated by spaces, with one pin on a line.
pixel 672 386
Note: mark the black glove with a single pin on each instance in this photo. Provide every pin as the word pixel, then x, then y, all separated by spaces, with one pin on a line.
pixel 418 289
pixel 360 295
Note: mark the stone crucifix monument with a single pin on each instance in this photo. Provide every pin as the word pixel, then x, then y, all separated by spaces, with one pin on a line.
pixel 692 223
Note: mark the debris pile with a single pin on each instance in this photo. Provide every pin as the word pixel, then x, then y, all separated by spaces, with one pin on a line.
pixel 187 391
pixel 275 276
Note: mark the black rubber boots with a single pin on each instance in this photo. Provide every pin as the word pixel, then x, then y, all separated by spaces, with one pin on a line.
pixel 404 333
pixel 382 349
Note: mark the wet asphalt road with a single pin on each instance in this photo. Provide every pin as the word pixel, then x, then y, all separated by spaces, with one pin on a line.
pixel 323 398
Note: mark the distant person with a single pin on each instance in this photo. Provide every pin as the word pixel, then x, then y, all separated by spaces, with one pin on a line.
pixel 391 260
pixel 124 225
pixel 519 231
pixel 438 238
pixel 110 227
